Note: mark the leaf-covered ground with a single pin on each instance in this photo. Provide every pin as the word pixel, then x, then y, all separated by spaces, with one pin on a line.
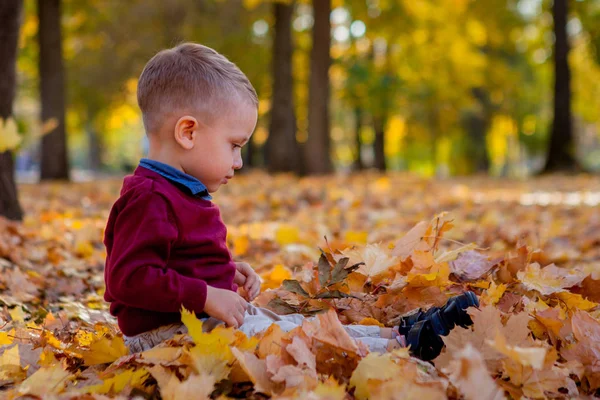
pixel 530 250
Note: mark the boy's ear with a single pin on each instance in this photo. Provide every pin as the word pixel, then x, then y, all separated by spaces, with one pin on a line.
pixel 185 132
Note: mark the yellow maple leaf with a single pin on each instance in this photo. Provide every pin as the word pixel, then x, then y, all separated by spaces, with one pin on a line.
pixel 116 384
pixel 328 390
pixel 10 364
pixel 437 277
pixel 494 293
pixel 372 371
pixel 105 350
pixel 550 279
pixel 575 301
pixel 7 337
pixel 526 356
pixel 47 358
pixel 45 381
pixel 212 354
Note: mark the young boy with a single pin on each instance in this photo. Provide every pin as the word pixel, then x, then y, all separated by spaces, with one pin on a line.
pixel 165 240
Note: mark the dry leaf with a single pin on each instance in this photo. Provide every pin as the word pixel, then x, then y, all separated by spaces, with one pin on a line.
pixel 469 373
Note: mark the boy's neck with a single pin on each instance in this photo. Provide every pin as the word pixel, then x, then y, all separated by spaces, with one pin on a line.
pixel 166 157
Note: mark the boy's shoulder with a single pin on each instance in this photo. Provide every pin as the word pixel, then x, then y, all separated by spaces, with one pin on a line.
pixel 151 186
pixel 145 182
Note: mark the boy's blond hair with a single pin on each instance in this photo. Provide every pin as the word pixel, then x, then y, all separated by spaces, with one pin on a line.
pixel 192 78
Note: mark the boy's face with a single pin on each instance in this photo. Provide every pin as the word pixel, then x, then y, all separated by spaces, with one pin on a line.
pixel 217 151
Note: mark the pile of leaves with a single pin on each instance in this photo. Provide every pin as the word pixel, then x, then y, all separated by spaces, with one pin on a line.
pixel 340 250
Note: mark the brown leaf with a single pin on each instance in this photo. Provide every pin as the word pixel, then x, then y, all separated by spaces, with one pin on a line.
pixel 411 241
pixel 469 373
pixel 471 265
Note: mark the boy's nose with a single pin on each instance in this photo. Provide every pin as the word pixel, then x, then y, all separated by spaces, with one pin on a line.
pixel 238 163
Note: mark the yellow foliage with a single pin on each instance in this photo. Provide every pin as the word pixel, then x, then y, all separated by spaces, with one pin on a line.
pixel 274 278
pixel 10 363
pixel 9 137
pixel 437 277
pixel 45 381
pixel 494 293
pixel 356 237
pixel 575 301
pixel 286 234
pixel 84 249
pixel 526 356
pixel 373 370
pixel 241 244
pixel 104 350
pixel 6 337
pixel 116 384
pixel 212 353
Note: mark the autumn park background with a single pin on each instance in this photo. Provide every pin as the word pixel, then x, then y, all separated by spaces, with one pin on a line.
pixel 448 145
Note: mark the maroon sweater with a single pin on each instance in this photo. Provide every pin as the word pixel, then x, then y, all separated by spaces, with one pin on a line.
pixel 164 246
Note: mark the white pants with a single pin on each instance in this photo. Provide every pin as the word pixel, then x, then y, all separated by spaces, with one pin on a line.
pixel 256 320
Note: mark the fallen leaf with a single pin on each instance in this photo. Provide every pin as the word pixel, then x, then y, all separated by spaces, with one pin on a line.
pixel 550 279
pixel 471 265
pixel 469 373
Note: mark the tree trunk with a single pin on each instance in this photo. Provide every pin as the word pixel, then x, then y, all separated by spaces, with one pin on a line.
pixel 10 21
pixel 317 149
pixel 95 147
pixel 282 150
pixel 477 125
pixel 560 152
pixel 379 143
pixel 359 164
pixel 54 164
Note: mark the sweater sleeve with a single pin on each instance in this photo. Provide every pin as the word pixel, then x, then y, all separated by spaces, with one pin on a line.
pixel 137 273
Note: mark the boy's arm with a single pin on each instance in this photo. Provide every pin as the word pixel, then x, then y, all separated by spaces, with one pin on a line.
pixel 136 274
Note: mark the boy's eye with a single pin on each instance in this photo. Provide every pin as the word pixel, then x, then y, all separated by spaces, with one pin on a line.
pixel 236 145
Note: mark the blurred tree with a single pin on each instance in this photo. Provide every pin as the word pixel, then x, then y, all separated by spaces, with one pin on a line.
pixel 384 92
pixel 282 150
pixel 372 85
pixel 588 13
pixel 54 163
pixel 10 21
pixel 317 148
pixel 102 93
pixel 561 150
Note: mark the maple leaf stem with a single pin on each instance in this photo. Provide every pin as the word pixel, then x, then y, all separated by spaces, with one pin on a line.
pixel 437 223
pixel 35 329
pixel 454 241
pixel 18 337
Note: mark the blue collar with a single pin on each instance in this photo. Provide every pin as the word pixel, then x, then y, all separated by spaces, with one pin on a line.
pixel 174 175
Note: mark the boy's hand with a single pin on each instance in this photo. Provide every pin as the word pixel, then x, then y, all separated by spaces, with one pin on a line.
pixel 247 278
pixel 225 305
